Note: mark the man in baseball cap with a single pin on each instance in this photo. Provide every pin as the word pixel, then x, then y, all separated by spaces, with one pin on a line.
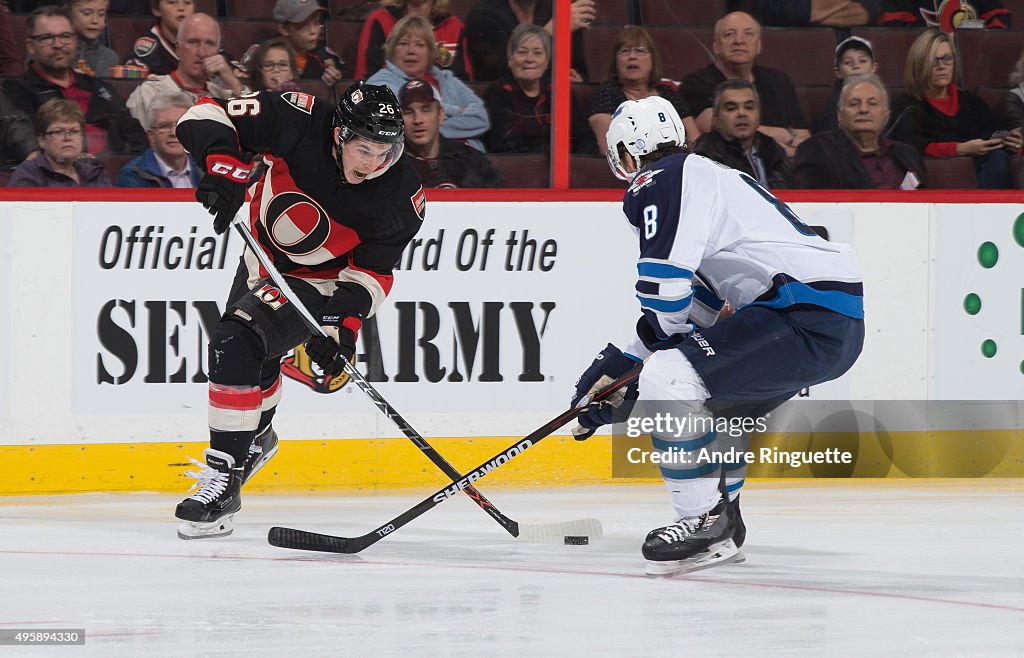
pixel 441 162
pixel 302 23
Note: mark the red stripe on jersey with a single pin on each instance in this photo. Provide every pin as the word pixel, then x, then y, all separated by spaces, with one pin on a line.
pixel 231 397
pixel 273 388
pixel 385 280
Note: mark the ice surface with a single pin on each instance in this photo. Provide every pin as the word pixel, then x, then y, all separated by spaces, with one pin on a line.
pixel 858 569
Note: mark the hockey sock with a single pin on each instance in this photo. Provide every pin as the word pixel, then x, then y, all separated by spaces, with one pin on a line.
pixel 235 397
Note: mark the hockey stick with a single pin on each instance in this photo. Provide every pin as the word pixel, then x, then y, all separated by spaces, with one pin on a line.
pixel 312 541
pixel 535 532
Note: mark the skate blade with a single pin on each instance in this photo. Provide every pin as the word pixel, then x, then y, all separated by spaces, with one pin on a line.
pixel 261 463
pixel 197 530
pixel 725 553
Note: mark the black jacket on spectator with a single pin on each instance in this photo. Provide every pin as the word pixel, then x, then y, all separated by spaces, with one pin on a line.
pixel 486 30
pixel 730 152
pixel 831 161
pixel 610 95
pixel 17 136
pixel 154 52
pixel 779 104
pixel 918 123
pixel 105 109
pixel 456 165
pixel 521 124
pixel 797 13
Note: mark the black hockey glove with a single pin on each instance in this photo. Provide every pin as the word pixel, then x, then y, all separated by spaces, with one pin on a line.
pixel 330 352
pixel 222 190
pixel 652 340
pixel 609 365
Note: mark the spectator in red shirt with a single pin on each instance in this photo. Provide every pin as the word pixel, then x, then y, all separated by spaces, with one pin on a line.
pixel 943 120
pixel 51 47
pixel 378 25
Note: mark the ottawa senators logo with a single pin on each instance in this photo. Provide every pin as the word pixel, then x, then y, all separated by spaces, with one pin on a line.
pixel 299 366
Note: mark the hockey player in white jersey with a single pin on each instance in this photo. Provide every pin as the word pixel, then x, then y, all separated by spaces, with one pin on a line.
pixel 708 235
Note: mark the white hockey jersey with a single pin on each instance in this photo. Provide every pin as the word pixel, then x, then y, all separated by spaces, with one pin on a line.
pixel 709 233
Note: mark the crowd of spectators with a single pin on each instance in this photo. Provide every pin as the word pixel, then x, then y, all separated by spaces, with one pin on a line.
pixel 478 82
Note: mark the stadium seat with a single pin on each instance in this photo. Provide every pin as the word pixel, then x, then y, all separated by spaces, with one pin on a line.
pixel 807 55
pixel 237 34
pixel 612 13
pixel 951 173
pixel 891 45
pixel 688 14
pixel 523 169
pixel 1018 172
pixel 813 99
pixel 352 10
pixel 5 177
pixel 591 172
pixel 343 38
pixel 112 162
pixel 988 56
pixel 583 94
pixel 993 96
pixel 461 7
pixel 261 9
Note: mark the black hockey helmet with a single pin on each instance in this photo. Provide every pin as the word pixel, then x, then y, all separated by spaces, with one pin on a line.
pixel 371 112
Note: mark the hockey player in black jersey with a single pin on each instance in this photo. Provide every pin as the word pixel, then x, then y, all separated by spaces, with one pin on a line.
pixel 334 210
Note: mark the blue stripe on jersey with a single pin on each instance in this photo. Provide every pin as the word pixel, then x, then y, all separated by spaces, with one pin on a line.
pixel 683 446
pixel 844 298
pixel 708 298
pixel 729 488
pixel 665 305
pixel 663 271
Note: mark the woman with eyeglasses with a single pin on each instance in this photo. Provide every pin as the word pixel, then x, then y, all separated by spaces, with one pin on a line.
pixel 943 120
pixel 271 66
pixel 634 72
pixel 59 126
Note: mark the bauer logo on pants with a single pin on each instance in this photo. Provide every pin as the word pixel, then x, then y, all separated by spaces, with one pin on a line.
pixel 271 296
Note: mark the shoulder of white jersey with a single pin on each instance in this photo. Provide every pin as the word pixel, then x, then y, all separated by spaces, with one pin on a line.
pixel 207 109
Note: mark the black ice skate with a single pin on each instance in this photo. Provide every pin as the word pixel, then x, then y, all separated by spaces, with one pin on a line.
pixel 208 512
pixel 262 450
pixel 693 543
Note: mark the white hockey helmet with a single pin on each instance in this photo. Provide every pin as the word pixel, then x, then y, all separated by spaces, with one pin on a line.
pixel 642 127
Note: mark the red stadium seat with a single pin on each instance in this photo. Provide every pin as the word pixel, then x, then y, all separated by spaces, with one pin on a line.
pixel 343 38
pixel 352 10
pixel 813 99
pixel 951 173
pixel 523 169
pixel 685 14
pixel 807 55
pixel 5 177
pixel 988 56
pixel 261 9
pixel 112 163
pixel 591 172
pixel 237 35
pixel 123 86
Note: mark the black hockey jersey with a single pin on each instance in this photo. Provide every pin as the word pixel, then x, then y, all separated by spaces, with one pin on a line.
pixel 311 224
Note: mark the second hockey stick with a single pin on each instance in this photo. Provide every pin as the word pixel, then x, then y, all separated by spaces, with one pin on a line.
pixel 312 541
pixel 536 532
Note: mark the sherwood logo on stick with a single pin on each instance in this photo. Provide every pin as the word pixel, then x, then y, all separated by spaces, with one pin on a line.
pixel 456 487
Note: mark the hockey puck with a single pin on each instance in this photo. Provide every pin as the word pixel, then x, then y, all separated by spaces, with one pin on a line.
pixel 576 540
